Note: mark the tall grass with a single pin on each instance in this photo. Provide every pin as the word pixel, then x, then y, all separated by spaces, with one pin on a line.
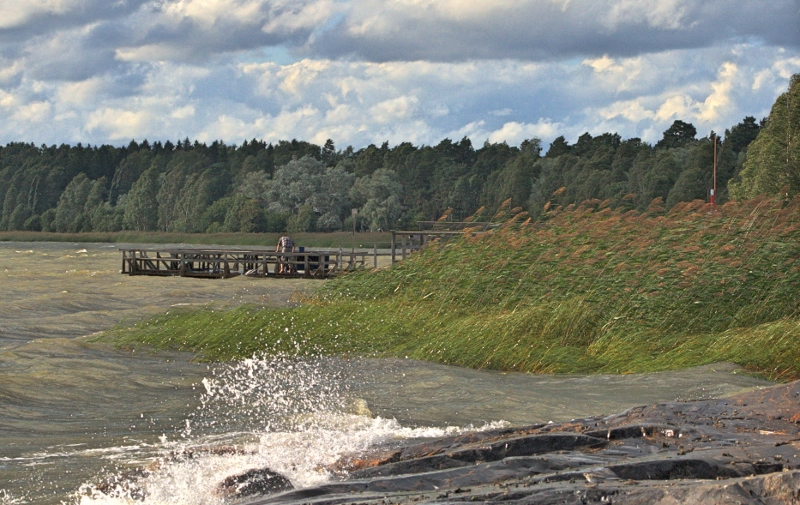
pixel 589 290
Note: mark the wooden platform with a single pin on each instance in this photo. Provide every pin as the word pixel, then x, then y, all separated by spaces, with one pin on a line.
pixel 406 242
pixel 224 263
pixel 319 264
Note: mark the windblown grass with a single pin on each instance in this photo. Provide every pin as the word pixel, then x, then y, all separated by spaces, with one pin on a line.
pixel 589 290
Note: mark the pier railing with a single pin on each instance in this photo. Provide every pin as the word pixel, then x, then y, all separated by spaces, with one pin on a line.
pixel 224 263
pixel 406 242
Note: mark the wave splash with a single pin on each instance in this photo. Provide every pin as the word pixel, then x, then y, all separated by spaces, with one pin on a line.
pixel 294 416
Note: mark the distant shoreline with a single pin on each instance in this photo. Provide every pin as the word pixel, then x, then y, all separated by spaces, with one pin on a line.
pixel 332 239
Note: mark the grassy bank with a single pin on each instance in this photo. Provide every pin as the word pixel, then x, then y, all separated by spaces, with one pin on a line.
pixel 590 290
pixel 335 239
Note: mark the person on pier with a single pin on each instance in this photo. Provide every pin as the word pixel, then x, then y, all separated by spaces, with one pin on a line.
pixel 285 245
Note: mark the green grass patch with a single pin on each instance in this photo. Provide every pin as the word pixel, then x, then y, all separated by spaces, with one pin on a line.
pixel 588 291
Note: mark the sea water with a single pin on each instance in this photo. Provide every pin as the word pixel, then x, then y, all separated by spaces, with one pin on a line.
pixel 87 423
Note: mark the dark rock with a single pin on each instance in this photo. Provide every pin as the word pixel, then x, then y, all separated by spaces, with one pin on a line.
pixel 258 481
pixel 744 449
pixel 123 485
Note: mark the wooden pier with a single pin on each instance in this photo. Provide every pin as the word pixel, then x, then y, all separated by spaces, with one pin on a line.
pixel 406 242
pixel 225 263
pixel 314 264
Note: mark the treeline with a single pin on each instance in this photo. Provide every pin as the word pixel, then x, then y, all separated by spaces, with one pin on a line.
pixel 298 186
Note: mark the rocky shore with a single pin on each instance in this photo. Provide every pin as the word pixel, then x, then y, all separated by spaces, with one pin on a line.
pixel 743 449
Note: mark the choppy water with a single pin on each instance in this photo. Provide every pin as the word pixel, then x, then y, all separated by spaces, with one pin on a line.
pixel 75 415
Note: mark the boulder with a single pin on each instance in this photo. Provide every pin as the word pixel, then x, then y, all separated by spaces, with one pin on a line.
pixel 257 481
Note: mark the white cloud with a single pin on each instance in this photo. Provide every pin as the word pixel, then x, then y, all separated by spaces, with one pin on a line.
pixel 361 102
pixel 81 92
pixel 474 130
pixel 718 102
pixel 761 78
pixel 7 100
pixel 621 74
pixel 394 109
pixel 231 127
pixel 183 112
pixel 34 112
pixel 677 106
pixel 16 12
pixel 297 76
pixel 149 52
pixel 787 67
pixel 514 133
pixel 121 124
pixel 210 12
pixel 631 110
pixel 10 70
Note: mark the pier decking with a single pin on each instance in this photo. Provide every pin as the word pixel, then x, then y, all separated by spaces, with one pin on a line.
pixel 225 263
pixel 318 264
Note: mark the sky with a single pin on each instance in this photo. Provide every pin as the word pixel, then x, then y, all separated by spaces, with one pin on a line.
pixel 369 71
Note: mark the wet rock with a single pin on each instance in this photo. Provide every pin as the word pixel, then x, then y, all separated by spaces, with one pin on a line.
pixel 127 484
pixel 257 481
pixel 211 450
pixel 122 485
pixel 744 449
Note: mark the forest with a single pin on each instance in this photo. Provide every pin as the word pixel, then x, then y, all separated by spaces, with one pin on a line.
pixel 297 186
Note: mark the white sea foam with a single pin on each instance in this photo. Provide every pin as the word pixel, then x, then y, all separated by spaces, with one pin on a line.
pixel 7 499
pixel 293 416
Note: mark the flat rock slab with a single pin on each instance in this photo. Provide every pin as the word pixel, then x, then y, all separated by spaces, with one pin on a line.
pixel 743 449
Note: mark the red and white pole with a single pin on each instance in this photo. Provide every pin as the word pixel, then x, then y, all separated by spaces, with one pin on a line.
pixel 714 191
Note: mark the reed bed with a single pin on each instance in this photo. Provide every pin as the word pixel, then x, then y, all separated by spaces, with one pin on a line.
pixel 589 290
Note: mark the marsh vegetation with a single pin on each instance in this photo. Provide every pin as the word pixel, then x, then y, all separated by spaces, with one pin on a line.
pixel 588 290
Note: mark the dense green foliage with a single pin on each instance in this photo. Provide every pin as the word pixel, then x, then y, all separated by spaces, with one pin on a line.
pixel 773 162
pixel 306 239
pixel 588 289
pixel 297 186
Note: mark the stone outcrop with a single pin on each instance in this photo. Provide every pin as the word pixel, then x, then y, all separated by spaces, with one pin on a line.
pixel 743 449
pixel 258 481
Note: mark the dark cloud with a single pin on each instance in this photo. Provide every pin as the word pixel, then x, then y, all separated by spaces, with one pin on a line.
pixel 63 47
pixel 73 55
pixel 189 41
pixel 87 13
pixel 544 30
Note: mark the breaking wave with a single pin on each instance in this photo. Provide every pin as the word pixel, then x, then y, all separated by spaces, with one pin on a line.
pixel 293 416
